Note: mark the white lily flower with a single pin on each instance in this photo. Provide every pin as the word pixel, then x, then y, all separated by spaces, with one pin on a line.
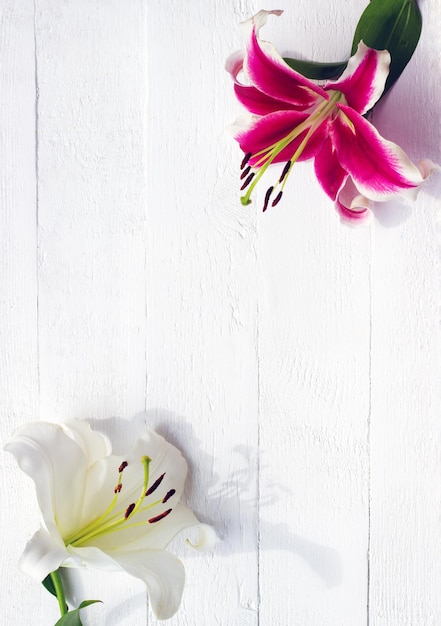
pixel 104 511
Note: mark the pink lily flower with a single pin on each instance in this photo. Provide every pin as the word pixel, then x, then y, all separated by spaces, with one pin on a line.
pixel 293 119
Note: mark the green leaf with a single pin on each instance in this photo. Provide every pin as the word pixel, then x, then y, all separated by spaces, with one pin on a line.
pixel 393 25
pixel 49 585
pixel 72 618
pixel 315 70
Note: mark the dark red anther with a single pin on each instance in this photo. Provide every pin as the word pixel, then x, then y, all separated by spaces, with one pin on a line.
pixel 277 198
pixel 129 510
pixel 118 488
pixel 168 495
pixel 160 517
pixel 247 181
pixel 245 172
pixel 245 160
pixel 122 466
pixel 155 485
pixel 267 197
pixel 285 171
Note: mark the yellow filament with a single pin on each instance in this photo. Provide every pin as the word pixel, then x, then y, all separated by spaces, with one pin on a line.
pixel 269 153
pixel 107 523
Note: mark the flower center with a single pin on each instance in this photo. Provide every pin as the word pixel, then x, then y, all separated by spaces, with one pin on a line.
pixel 262 159
pixel 115 518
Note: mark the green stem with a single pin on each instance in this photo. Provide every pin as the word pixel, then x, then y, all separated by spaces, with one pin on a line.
pixel 59 590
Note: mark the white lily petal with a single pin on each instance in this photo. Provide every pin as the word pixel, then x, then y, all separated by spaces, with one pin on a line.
pixel 42 555
pixel 90 557
pixel 207 538
pixel 93 443
pixel 57 466
pixel 165 459
pixel 162 573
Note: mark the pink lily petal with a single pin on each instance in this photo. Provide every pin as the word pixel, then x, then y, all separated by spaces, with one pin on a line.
pixel 274 127
pixel 269 72
pixel 251 98
pixel 234 64
pixel 258 102
pixel 364 78
pixel 328 170
pixel 352 207
pixel 379 168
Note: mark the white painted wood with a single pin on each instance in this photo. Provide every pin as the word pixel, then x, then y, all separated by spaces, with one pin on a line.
pixel 314 380
pixel 295 361
pixel 202 300
pixel 19 600
pixel 406 361
pixel 91 163
pixel 314 372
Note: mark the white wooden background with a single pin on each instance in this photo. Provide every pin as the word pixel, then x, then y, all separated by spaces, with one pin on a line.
pixel 295 361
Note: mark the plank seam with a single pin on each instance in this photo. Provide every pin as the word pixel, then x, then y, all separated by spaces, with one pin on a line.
pixel 258 435
pixel 369 419
pixel 37 200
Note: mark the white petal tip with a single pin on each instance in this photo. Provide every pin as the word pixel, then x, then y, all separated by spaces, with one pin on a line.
pixel 356 218
pixel 426 167
pixel 259 20
pixel 207 538
pixel 354 208
pixel 234 63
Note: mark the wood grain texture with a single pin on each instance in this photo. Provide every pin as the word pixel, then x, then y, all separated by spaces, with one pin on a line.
pixel 314 360
pixel 91 237
pixel 294 361
pixel 18 295
pixel 406 361
pixel 202 300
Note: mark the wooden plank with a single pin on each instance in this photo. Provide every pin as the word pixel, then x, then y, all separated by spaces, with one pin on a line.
pixel 406 361
pixel 91 111
pixel 314 373
pixel 18 297
pixel 202 300
pixel 311 429
pixel 314 304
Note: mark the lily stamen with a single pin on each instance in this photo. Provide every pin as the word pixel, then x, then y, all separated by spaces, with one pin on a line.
pixel 155 485
pixel 247 181
pixel 311 124
pixel 277 198
pixel 129 510
pixel 285 171
pixel 153 520
pixel 245 172
pixel 109 523
pixel 267 197
pixel 245 160
pixel 168 495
